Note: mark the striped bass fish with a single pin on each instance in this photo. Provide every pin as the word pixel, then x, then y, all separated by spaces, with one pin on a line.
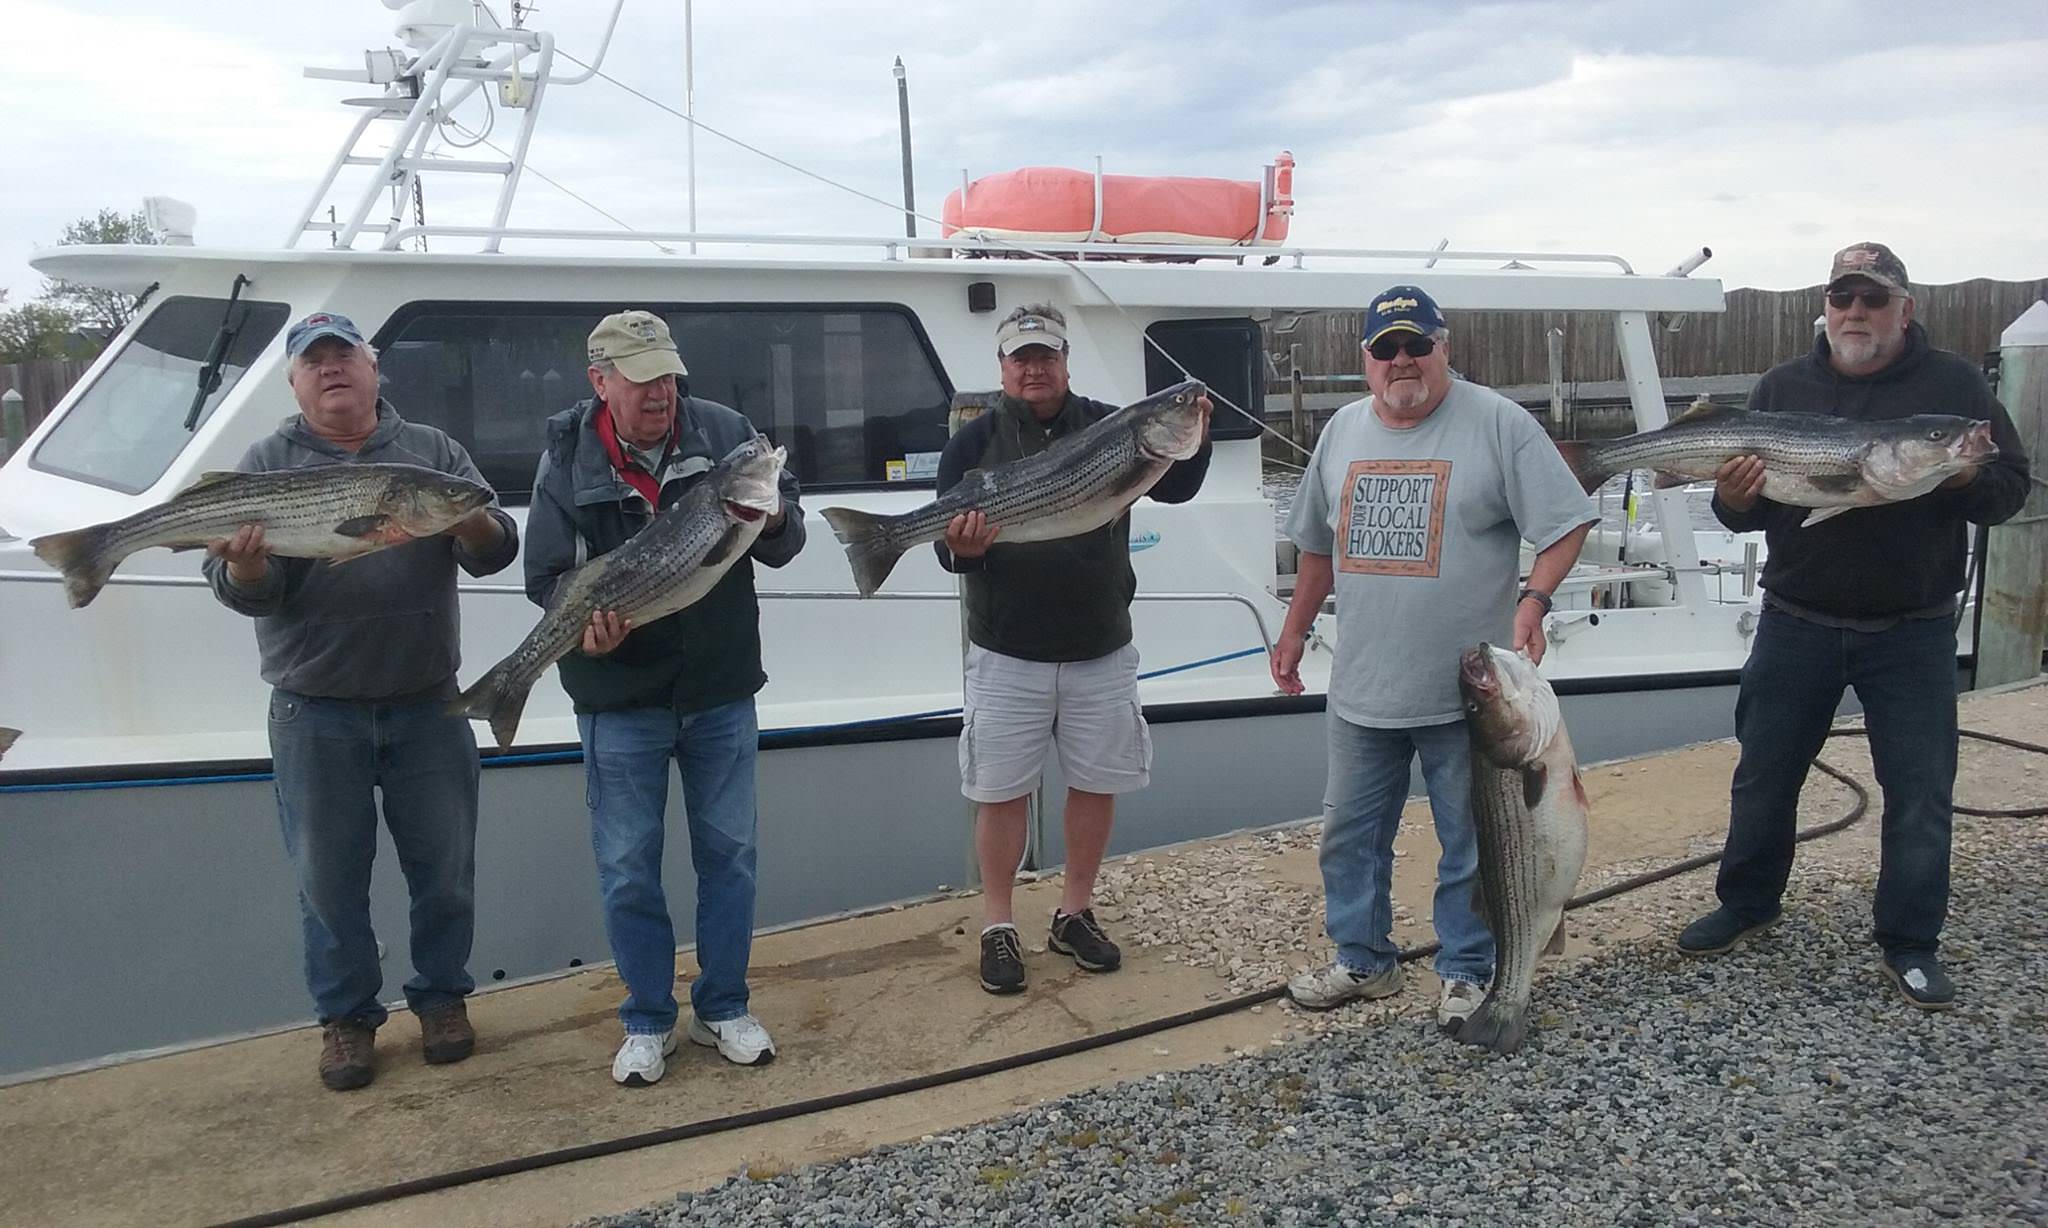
pixel 1816 461
pixel 1083 481
pixel 1530 810
pixel 332 512
pixel 672 563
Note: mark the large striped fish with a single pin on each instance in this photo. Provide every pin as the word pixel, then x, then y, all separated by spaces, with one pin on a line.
pixel 670 564
pixel 332 512
pixel 1818 461
pixel 1530 810
pixel 1082 482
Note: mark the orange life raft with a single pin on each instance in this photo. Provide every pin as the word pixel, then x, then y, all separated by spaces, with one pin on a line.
pixel 1051 203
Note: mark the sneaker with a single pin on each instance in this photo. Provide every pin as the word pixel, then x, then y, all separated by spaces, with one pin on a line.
pixel 1002 960
pixel 742 1041
pixel 1922 981
pixel 1719 932
pixel 347 1055
pixel 1457 1002
pixel 1078 935
pixel 1334 985
pixel 445 1034
pixel 643 1058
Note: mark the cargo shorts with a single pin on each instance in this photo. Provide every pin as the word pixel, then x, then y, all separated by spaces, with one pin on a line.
pixel 1017 711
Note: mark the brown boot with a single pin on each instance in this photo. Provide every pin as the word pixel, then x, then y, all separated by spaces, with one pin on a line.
pixel 445 1034
pixel 347 1055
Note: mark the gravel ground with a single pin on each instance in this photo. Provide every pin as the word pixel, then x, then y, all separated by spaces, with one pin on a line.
pixel 1783 1084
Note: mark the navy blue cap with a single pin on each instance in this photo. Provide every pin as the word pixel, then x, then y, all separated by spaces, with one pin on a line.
pixel 1401 309
pixel 320 324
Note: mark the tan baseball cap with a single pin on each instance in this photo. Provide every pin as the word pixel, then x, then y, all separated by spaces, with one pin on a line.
pixel 638 344
pixel 1015 334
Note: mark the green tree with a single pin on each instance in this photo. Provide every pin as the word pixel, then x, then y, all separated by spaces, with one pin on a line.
pixel 35 330
pixel 91 309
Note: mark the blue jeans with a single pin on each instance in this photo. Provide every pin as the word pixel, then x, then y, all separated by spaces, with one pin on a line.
pixel 626 756
pixel 1361 812
pixel 330 755
pixel 1905 677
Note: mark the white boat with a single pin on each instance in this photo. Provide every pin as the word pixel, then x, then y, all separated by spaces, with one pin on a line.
pixel 139 847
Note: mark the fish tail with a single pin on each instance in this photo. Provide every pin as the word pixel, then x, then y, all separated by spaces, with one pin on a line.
pixel 1580 457
pixel 1498 1025
pixel 7 738
pixel 86 558
pixel 498 697
pixel 870 548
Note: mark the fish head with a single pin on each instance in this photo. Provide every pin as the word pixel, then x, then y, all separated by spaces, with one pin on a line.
pixel 1169 422
pixel 427 502
pixel 1912 456
pixel 1510 707
pixel 749 479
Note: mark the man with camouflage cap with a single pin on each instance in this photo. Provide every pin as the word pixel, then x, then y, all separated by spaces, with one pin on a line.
pixel 1863 600
pixel 680 688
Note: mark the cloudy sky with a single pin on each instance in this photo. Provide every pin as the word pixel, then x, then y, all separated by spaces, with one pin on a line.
pixel 1772 132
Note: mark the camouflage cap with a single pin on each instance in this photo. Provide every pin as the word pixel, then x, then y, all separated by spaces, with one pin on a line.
pixel 1874 261
pixel 638 344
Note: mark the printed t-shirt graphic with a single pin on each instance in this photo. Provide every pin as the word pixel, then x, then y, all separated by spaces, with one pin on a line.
pixel 1391 522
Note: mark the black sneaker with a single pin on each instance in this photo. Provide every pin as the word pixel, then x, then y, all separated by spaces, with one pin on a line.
pixel 1921 981
pixel 1719 931
pixel 1078 935
pixel 1002 960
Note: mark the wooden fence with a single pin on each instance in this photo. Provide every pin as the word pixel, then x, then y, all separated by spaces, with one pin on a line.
pixel 1759 329
pixel 42 382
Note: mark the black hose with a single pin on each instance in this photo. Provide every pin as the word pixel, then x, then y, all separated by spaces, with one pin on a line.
pixel 960 1074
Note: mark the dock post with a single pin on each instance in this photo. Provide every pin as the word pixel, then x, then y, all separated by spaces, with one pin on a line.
pixel 1554 347
pixel 2013 616
pixel 1299 423
pixel 13 422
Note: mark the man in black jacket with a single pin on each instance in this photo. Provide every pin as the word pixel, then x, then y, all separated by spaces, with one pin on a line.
pixel 1865 599
pixel 1050 660
pixel 680 688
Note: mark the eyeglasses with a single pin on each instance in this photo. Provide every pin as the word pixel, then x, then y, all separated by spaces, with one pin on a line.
pixel 1875 300
pixel 1414 345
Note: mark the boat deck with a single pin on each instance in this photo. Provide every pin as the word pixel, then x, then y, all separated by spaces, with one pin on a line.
pixel 244 1128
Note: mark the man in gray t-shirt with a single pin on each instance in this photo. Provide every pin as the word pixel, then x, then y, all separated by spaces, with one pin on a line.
pixel 1413 510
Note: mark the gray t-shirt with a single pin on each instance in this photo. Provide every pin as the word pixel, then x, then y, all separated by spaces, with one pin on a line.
pixel 1424 526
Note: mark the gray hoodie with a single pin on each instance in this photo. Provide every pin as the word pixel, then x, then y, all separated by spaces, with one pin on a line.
pixel 383 626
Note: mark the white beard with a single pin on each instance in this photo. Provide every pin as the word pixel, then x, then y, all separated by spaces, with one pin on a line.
pixel 1403 395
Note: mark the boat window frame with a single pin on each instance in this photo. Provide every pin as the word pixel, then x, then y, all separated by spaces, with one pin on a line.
pixel 110 361
pixel 1226 426
pixel 405 313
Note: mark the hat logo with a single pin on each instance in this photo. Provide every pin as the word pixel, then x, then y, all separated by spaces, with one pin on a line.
pixel 1030 324
pixel 645 329
pixel 320 319
pixel 1397 304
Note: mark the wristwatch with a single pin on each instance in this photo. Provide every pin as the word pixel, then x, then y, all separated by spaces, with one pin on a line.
pixel 1542 598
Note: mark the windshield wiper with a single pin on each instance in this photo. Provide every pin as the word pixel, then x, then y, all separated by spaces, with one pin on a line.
pixel 209 375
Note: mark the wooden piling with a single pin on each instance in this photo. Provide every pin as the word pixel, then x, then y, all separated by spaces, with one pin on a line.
pixel 2013 619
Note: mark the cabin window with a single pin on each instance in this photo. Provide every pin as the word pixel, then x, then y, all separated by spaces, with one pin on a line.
pixel 127 426
pixel 854 392
pixel 1227 355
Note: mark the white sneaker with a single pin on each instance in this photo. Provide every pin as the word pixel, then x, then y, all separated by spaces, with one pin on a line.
pixel 743 1041
pixel 1334 985
pixel 641 1059
pixel 1458 1001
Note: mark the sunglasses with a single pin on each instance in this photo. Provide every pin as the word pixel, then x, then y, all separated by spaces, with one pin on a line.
pixel 1414 345
pixel 1875 300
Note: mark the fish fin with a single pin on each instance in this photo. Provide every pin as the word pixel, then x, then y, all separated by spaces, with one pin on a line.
pixel 1838 483
pixel 1580 459
pixel 496 697
pixel 363 526
pixel 1666 480
pixel 7 738
pixel 1556 944
pixel 182 549
pixel 1497 1025
pixel 1579 789
pixel 1534 778
pixel 721 550
pixel 870 548
pixel 212 477
pixel 1701 410
pixel 1819 514
pixel 83 556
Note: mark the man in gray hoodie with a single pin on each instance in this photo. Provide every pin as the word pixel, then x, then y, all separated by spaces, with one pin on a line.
pixel 363 658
